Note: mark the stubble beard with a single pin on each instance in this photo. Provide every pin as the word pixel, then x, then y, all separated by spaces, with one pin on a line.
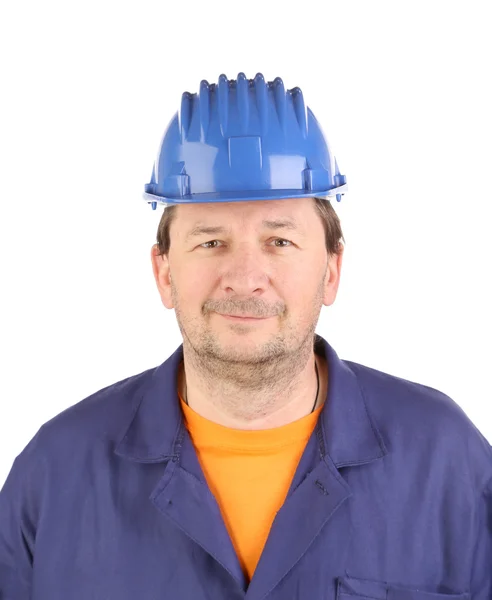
pixel 260 368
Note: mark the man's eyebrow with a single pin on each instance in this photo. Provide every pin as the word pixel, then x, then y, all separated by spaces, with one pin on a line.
pixel 200 229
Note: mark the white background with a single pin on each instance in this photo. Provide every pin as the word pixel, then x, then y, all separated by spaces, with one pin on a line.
pixel 402 90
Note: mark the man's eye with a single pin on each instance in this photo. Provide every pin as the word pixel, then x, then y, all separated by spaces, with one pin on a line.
pixel 207 245
pixel 282 240
pixel 204 245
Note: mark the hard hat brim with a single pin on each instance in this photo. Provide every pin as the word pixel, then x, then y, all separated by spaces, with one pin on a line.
pixel 243 196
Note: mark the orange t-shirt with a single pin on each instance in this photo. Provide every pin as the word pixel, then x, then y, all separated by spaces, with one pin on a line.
pixel 249 473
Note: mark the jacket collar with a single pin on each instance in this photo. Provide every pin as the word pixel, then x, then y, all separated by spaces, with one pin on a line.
pixel 349 432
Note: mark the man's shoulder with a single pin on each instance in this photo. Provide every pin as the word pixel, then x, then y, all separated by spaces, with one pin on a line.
pixel 97 419
pixel 416 417
pixel 387 391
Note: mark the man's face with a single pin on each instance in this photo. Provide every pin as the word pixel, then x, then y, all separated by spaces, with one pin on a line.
pixel 265 260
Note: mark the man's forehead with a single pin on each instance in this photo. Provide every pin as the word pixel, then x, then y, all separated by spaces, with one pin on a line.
pixel 262 212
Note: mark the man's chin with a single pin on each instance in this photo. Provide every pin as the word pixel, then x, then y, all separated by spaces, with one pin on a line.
pixel 241 350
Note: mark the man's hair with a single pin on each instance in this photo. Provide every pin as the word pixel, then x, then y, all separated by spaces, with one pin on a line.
pixel 329 218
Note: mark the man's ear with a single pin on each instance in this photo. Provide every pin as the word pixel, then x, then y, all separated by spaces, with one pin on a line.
pixel 332 280
pixel 162 275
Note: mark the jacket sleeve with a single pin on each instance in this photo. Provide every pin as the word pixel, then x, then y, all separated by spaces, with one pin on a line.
pixel 481 579
pixel 19 508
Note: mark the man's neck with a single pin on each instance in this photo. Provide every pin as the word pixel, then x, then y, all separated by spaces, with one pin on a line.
pixel 232 406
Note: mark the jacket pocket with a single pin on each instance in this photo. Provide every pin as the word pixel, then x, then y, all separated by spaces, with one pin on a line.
pixel 353 588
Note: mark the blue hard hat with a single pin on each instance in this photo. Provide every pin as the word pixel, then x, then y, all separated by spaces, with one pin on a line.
pixel 244 139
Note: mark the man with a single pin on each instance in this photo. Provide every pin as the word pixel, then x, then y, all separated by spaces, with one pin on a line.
pixel 252 463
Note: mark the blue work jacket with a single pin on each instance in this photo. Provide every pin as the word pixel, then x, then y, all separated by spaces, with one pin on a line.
pixel 391 500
